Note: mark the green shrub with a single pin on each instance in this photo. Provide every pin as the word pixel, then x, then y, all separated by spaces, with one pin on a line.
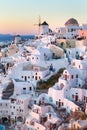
pixel 51 81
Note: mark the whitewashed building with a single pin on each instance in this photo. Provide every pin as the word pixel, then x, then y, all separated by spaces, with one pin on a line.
pixel 19 106
pixel 17 39
pixel 29 72
pixel 23 88
pixel 71 86
pixel 70 30
pixel 42 117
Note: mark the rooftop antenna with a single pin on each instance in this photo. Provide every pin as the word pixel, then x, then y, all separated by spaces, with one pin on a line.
pixel 39 24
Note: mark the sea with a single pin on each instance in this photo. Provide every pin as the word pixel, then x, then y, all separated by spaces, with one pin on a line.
pixel 5 38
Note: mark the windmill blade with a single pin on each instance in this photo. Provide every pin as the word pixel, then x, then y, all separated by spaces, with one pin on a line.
pixel 39 21
pixel 39 24
pixel 36 24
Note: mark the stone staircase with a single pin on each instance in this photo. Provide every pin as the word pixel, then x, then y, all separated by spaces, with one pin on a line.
pixel 6 93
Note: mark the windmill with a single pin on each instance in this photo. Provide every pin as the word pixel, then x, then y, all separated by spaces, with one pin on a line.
pixel 39 24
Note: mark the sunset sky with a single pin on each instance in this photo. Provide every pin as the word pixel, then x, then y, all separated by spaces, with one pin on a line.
pixel 19 16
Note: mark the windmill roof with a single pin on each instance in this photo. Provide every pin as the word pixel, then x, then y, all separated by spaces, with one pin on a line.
pixel 44 23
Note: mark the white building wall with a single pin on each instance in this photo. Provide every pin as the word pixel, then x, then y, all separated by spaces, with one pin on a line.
pixel 56 94
pixel 77 91
pixel 30 76
pixel 70 106
pixel 4 108
pixel 17 39
pixel 44 29
pixel 39 126
pixel 19 107
pixel 71 31
pixel 28 127
pixel 13 110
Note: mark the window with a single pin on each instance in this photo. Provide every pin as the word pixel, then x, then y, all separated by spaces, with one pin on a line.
pixel 25 78
pixel 82 33
pixel 30 88
pixel 33 77
pixel 74 29
pixel 53 54
pixel 12 113
pixel 14 107
pixel 56 102
pixel 43 98
pixel 24 88
pixel 35 102
pixel 28 77
pixel 77 76
pixel 73 63
pixel 21 76
pixel 84 97
pixel 72 76
pixel 72 96
pixel 71 29
pixel 21 110
pixel 79 85
pixel 61 85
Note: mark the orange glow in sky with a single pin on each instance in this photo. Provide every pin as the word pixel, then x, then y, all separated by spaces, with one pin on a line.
pixel 19 16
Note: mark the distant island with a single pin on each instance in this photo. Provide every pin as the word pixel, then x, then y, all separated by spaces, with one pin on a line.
pixel 9 37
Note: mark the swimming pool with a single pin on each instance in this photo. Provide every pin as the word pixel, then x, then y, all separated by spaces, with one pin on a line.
pixel 2 127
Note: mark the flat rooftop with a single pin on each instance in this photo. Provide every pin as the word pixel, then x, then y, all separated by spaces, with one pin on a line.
pixel 30 67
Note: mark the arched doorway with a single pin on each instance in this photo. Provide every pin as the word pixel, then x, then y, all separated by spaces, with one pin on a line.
pixel 4 120
pixel 76 97
pixel 66 77
pixel 20 119
pixel 35 77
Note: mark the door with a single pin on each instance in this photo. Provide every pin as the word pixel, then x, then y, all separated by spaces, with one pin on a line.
pixel 25 78
pixel 76 98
